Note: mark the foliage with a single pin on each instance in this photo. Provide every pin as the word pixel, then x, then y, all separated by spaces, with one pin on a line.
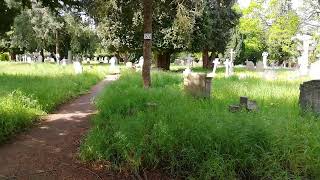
pixel 280 35
pixel 35 29
pixel 200 139
pixel 28 91
pixel 5 57
pixel 83 39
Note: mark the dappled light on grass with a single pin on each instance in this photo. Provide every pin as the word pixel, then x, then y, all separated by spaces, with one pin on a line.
pixel 30 91
pixel 188 137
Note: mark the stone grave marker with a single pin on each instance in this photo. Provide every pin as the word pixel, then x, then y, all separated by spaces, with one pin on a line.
pixel 114 69
pixel 198 85
pixel 265 59
pixel 314 72
pixel 310 96
pixel 229 69
pixel 260 66
pixel 215 63
pixel 129 65
pixel 250 66
pixel 78 69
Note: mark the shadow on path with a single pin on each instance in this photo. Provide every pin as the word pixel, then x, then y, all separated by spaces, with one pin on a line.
pixel 49 151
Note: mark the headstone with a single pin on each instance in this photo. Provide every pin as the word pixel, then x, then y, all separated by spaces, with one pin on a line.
pixel 29 60
pixel 77 67
pixel 106 60
pixel 69 57
pixel 114 69
pixel 140 64
pixel 39 59
pixel 186 72
pixel 198 84
pixel 250 66
pixel 63 62
pixel 265 59
pixel 310 96
pixel 270 75
pixel 216 63
pixel 315 70
pixel 260 66
pixel 113 61
pixel 303 61
pixel 189 60
pixel 229 69
pixel 129 65
pixel 24 58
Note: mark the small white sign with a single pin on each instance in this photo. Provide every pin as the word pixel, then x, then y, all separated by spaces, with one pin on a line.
pixel 148 36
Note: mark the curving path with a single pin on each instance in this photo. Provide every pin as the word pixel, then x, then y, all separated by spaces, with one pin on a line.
pixel 49 151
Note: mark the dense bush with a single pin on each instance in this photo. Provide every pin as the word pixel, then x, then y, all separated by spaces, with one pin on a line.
pixel 162 128
pixel 5 57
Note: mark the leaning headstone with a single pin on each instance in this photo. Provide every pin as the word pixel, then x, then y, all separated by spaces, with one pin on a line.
pixel 250 66
pixel 314 72
pixel 310 96
pixel 77 67
pixel 260 66
pixel 198 84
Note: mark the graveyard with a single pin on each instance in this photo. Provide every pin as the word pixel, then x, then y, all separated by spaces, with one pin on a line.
pixel 160 89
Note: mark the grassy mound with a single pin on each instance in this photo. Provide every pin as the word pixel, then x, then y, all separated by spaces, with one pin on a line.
pixel 163 128
pixel 29 91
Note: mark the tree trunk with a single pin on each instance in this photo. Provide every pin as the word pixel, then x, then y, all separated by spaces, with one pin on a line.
pixel 205 58
pixel 57 45
pixel 147 47
pixel 163 60
pixel 42 54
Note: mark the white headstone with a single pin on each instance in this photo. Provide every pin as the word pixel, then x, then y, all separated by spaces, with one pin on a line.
pixel 186 72
pixel 215 63
pixel 265 59
pixel 106 60
pixel 315 70
pixel 303 61
pixel 63 62
pixel 113 61
pixel 228 65
pixel 77 67
pixel 29 60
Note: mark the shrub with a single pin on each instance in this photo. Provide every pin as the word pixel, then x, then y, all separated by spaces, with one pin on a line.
pixel 5 57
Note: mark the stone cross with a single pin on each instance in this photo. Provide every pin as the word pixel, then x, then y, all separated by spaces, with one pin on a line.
pixel 265 59
pixel 216 63
pixel 303 61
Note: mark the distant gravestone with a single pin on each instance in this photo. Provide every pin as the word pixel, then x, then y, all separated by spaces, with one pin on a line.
pixel 215 63
pixel 140 63
pixel 29 60
pixel 229 69
pixel 106 60
pixel 63 62
pixel 315 70
pixel 129 65
pixel 69 57
pixel 310 96
pixel 260 66
pixel 270 75
pixel 114 69
pixel 198 84
pixel 77 67
pixel 265 59
pixel 250 66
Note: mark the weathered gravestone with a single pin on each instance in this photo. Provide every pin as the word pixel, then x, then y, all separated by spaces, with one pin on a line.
pixel 77 67
pixel 198 84
pixel 315 70
pixel 129 65
pixel 260 66
pixel 250 66
pixel 310 96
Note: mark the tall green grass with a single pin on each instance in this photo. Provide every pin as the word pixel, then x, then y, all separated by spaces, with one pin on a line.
pixel 30 91
pixel 200 139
